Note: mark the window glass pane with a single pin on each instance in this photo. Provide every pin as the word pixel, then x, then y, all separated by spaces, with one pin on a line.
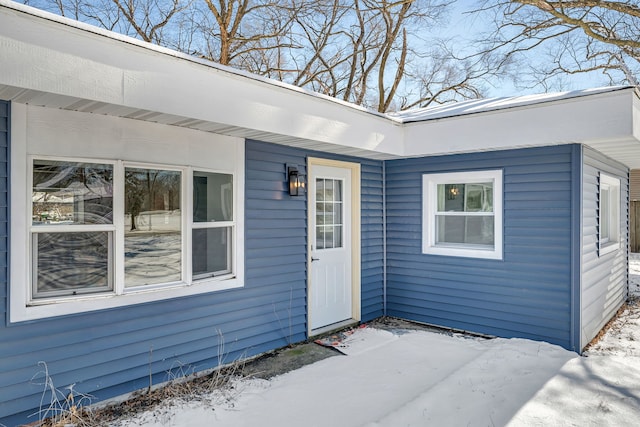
pixel 337 236
pixel 153 223
pixel 479 197
pixel 320 237
pixel 337 190
pixel 337 213
pixel 328 237
pixel 212 197
pixel 328 190
pixel 211 251
pixel 605 214
pixel 450 197
pixel 71 263
pixel 72 193
pixel 319 190
pixel 465 197
pixel 328 214
pixel 471 230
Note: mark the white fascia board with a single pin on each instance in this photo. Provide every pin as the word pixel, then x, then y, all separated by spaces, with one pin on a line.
pixel 595 118
pixel 43 55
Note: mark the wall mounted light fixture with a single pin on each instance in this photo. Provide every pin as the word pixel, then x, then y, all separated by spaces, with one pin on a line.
pixel 296 181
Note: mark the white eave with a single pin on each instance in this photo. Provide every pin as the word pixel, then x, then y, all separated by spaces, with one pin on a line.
pixel 51 61
pixel 606 119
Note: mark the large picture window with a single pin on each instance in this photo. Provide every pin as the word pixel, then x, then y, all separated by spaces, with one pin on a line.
pixel 462 214
pixel 108 212
pixel 81 210
pixel 609 214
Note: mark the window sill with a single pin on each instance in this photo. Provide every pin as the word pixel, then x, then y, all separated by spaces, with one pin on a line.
pixel 607 248
pixel 76 305
pixel 463 252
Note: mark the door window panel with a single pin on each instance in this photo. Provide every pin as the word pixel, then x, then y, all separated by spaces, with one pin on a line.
pixel 329 213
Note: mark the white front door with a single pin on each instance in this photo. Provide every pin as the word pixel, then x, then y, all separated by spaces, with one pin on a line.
pixel 331 289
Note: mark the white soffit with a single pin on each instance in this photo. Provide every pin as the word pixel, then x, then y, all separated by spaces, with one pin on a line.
pixel 56 62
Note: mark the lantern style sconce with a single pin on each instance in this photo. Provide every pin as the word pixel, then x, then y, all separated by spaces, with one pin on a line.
pixel 296 181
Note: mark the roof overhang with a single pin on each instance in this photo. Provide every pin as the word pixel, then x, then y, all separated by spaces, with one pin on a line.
pixel 607 120
pixel 56 62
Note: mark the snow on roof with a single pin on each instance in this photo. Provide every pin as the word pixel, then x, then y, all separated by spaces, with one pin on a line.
pixel 475 106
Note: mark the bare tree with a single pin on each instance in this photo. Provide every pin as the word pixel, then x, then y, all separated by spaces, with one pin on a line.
pixel 144 19
pixel 578 36
pixel 374 53
pixel 239 32
pixel 148 17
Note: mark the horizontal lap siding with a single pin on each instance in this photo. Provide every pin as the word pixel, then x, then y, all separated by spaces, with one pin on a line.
pixel 111 352
pixel 371 245
pixel 271 217
pixel 525 295
pixel 604 278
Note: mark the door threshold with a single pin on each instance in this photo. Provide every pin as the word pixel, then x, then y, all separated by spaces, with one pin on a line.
pixel 333 327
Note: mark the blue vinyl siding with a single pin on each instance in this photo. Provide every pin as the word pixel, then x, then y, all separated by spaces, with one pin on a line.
pixel 513 297
pixel 108 353
pixel 604 277
pixel 272 219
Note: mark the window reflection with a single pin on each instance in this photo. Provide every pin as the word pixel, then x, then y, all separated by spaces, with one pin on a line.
pixel 71 193
pixel 71 263
pixel 153 223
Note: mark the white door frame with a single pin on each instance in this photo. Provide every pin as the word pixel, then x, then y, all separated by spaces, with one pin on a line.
pixel 355 239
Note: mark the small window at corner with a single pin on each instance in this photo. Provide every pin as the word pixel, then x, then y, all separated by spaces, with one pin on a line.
pixel 608 214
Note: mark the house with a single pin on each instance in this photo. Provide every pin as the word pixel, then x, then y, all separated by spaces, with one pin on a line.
pixel 148 222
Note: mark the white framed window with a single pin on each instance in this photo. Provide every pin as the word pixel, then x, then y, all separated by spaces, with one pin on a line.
pixel 608 214
pixel 99 223
pixel 72 229
pixel 213 225
pixel 462 214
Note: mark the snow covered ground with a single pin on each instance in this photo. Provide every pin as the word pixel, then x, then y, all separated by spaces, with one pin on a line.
pixel 420 378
